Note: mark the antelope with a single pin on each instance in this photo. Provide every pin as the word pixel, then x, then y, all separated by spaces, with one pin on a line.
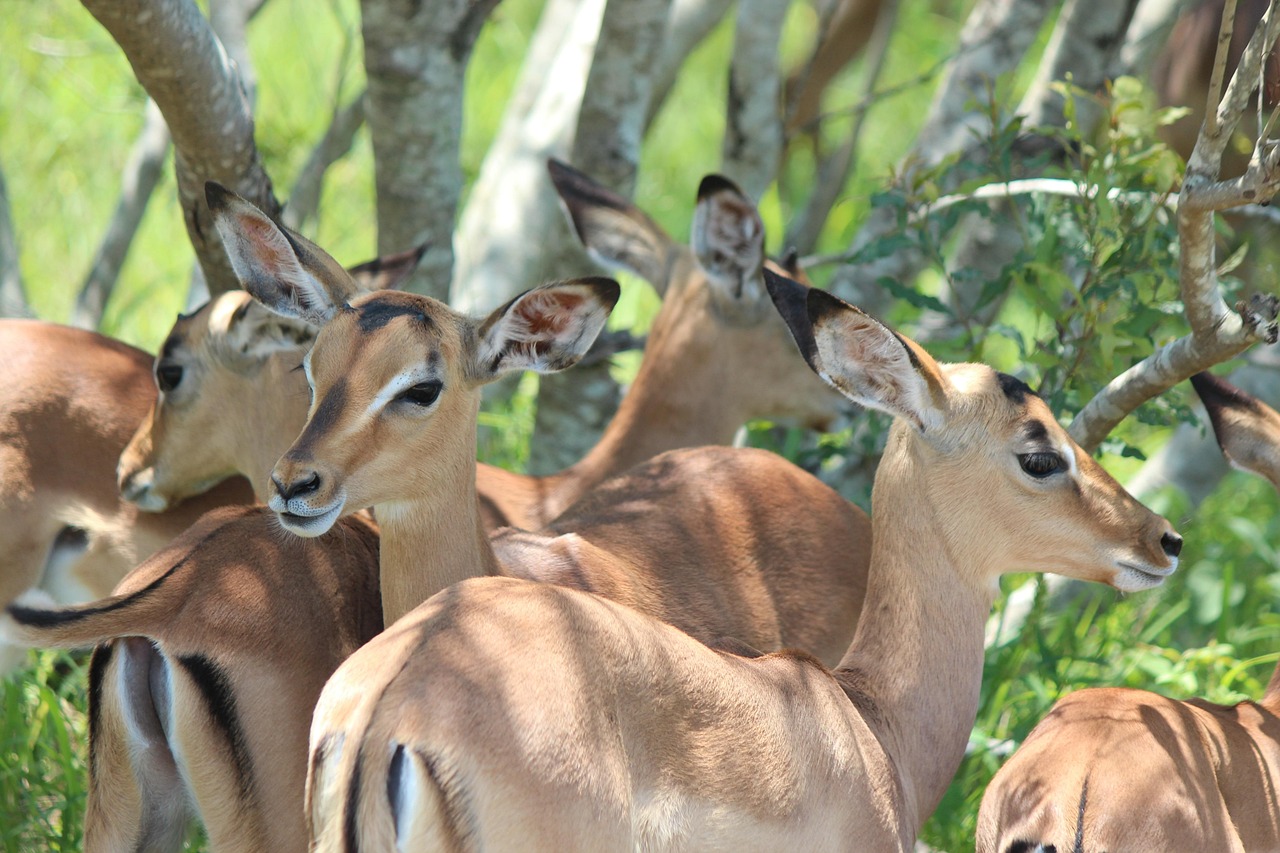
pixel 697 537
pixel 505 715
pixel 68 403
pixel 1119 769
pixel 690 390
pixel 231 397
pixel 213 655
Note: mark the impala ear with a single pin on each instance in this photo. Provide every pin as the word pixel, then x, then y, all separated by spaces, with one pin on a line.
pixel 388 272
pixel 545 329
pixel 248 331
pixel 728 238
pixel 1247 429
pixel 613 230
pixel 858 355
pixel 288 273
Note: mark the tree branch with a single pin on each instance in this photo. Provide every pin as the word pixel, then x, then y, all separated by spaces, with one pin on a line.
pixel 689 23
pixel 180 63
pixel 142 172
pixel 13 303
pixel 304 200
pixel 752 148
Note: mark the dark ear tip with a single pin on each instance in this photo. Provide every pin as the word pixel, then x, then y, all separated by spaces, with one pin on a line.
pixel 562 174
pixel 216 195
pixel 713 184
pixel 1218 394
pixel 606 289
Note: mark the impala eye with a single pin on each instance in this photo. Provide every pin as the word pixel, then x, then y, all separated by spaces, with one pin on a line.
pixel 423 394
pixel 168 376
pixel 1041 465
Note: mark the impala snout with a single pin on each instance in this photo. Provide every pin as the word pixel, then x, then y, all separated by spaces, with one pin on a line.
pixel 304 498
pixel 1144 571
pixel 138 487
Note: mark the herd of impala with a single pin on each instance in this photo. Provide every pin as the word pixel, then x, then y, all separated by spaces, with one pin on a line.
pixel 671 645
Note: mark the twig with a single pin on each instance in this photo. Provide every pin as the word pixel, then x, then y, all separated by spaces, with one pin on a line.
pixel 304 201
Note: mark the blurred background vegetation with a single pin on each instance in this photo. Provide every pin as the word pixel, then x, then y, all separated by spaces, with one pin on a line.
pixel 70 108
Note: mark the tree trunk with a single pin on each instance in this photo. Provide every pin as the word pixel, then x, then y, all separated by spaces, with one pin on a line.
pixel 416 56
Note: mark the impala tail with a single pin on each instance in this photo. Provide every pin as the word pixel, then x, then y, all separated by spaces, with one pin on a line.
pixel 139 613
pixel 380 801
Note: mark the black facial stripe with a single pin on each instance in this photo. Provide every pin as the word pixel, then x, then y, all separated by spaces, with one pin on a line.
pixel 376 313
pixel 1015 389
pixel 328 412
pixel 1035 432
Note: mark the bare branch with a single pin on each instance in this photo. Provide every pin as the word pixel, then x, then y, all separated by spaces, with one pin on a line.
pixel 180 63
pixel 230 20
pixel 574 409
pixel 304 201
pixel 1149 30
pixel 142 172
pixel 416 59
pixel 845 27
pixel 833 172
pixel 13 303
pixel 512 209
pixel 752 146
pixel 994 40
pixel 1217 332
pixel 689 23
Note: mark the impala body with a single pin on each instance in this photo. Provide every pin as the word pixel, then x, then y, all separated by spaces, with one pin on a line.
pixel 213 654
pixel 68 403
pixel 508 715
pixel 1118 770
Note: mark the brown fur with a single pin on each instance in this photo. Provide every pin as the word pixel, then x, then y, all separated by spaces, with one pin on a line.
pixel 68 403
pixel 556 720
pixel 1161 774
pixel 270 616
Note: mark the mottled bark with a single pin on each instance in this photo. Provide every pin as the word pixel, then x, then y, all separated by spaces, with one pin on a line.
pixel 142 172
pixel 513 208
pixel 573 408
pixel 185 70
pixel 752 149
pixel 416 55
pixel 304 200
pixel 13 302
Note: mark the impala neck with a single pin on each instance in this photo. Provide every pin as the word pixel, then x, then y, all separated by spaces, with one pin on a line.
pixel 918 652
pixel 678 399
pixel 436 539
pixel 266 428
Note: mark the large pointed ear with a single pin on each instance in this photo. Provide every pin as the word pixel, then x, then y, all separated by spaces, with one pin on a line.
pixel 858 355
pixel 545 329
pixel 613 230
pixel 388 272
pixel 287 273
pixel 728 237
pixel 1247 429
pixel 248 332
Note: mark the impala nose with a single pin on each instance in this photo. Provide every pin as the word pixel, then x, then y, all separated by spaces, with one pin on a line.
pixel 1172 544
pixel 300 487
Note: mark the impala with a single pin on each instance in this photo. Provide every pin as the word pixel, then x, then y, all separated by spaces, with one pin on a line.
pixel 68 403
pixel 505 715
pixel 691 389
pixel 1118 770
pixel 701 538
pixel 200 700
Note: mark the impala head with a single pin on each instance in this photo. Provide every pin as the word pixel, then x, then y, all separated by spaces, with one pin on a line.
pixel 224 377
pixel 395 377
pixel 715 309
pixel 1247 429
pixel 983 450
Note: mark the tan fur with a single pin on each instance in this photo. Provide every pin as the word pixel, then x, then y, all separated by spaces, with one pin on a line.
pixel 691 389
pixel 1161 774
pixel 68 404
pixel 274 615
pixel 543 718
